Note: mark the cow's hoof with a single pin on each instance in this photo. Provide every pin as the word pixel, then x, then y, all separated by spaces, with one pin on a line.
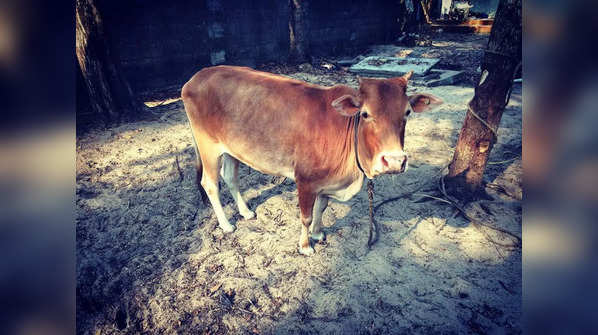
pixel 248 215
pixel 307 251
pixel 318 236
pixel 228 228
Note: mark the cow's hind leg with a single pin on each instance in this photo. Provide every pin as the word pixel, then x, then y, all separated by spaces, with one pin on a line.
pixel 199 171
pixel 209 181
pixel 316 225
pixel 230 174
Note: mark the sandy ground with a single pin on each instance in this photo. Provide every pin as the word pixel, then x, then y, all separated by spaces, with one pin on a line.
pixel 150 258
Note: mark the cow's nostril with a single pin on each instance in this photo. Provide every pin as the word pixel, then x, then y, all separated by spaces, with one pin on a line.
pixel 384 161
pixel 404 164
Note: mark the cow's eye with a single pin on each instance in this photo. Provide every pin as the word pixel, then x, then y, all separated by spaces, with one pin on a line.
pixel 408 112
pixel 365 115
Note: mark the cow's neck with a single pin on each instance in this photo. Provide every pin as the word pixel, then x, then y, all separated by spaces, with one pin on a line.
pixel 351 178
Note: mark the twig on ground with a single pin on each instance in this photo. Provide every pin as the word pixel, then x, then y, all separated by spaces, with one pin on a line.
pixel 244 310
pixel 500 188
pixel 505 287
pixel 161 102
pixel 178 166
pixel 494 244
pixel 408 194
pixel 432 197
pixel 477 224
pixel 502 162
pixel 194 215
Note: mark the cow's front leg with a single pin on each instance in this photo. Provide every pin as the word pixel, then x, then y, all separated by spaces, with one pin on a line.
pixel 306 205
pixel 316 225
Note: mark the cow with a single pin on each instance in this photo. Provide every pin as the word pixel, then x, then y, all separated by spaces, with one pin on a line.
pixel 326 139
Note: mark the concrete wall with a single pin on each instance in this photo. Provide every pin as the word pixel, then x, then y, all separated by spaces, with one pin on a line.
pixel 350 25
pixel 162 43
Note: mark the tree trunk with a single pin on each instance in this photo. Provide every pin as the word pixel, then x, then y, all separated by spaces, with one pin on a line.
pixel 409 24
pixel 425 5
pixel 502 60
pixel 110 96
pixel 299 43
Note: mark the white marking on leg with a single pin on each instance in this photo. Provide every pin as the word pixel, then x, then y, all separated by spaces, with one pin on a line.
pixel 211 188
pixel 304 246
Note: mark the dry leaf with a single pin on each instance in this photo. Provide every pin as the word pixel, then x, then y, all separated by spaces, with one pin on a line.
pixel 215 288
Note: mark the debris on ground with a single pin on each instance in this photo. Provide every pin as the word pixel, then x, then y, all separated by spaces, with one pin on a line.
pixel 438 77
pixel 393 66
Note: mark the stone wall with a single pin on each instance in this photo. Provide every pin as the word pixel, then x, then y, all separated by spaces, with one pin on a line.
pixel 162 43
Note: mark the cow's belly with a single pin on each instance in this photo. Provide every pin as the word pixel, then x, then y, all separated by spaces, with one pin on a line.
pixel 268 161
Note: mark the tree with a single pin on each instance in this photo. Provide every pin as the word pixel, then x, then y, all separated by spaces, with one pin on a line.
pixel 299 42
pixel 501 62
pixel 109 95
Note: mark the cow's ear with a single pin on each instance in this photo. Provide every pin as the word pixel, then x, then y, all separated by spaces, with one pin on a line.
pixel 421 102
pixel 347 105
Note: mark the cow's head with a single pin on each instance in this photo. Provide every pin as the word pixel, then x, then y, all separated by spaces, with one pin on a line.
pixel 384 107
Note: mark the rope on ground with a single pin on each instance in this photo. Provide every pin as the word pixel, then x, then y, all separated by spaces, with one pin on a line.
pixel 409 193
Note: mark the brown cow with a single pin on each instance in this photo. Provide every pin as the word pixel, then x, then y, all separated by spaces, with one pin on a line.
pixel 324 138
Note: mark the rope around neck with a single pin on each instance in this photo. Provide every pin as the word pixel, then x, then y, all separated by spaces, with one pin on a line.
pixel 373 236
pixel 355 126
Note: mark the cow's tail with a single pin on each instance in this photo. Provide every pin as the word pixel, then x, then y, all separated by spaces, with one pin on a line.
pixel 199 172
pixel 186 95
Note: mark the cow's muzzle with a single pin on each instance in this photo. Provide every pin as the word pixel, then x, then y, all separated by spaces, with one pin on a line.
pixel 391 162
